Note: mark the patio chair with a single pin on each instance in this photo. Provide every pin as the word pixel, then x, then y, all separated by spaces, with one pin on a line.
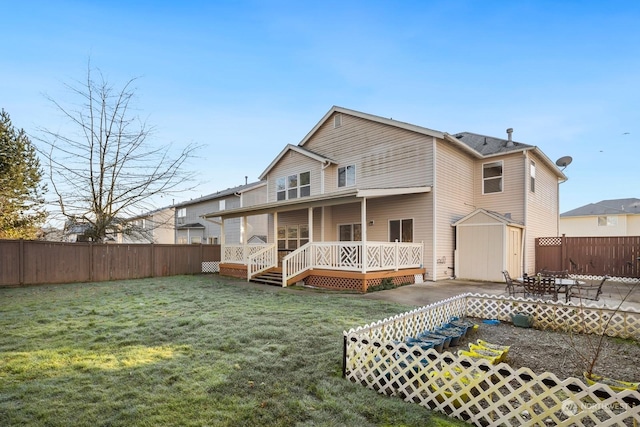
pixel 585 291
pixel 513 287
pixel 564 274
pixel 540 287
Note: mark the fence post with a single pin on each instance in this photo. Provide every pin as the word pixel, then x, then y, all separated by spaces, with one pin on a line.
pixel 21 262
pixel 153 260
pixel 563 252
pixel 344 356
pixel 90 261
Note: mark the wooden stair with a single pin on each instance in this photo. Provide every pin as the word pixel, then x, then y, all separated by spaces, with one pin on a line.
pixel 269 277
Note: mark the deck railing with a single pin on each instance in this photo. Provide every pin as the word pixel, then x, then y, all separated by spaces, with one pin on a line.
pixel 348 256
pixel 239 253
pixel 262 260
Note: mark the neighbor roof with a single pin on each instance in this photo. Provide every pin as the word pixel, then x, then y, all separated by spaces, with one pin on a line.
pixel 607 207
pixel 219 194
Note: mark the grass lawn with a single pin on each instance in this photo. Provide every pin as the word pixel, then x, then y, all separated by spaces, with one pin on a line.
pixel 186 350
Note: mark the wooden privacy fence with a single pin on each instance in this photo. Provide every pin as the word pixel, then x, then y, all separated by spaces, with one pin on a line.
pixel 613 256
pixel 476 391
pixel 27 262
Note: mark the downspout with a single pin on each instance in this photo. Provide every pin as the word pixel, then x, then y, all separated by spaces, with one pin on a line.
pixel 526 211
pixel 324 166
pixel 434 193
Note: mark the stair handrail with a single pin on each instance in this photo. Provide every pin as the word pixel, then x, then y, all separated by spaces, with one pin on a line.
pixel 262 260
pixel 297 262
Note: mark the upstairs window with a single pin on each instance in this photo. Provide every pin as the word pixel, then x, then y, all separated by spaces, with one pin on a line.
pixel 401 230
pixel 293 186
pixel 492 177
pixel 532 176
pixel 607 221
pixel 347 176
pixel 181 215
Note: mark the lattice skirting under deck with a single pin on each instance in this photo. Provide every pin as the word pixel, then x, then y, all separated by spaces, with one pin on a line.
pixel 354 284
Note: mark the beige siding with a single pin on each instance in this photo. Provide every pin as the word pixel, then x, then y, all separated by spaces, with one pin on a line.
pixel 542 209
pixel 384 156
pixel 511 199
pixel 633 225
pixel 294 163
pixel 587 226
pixel 255 196
pixel 453 192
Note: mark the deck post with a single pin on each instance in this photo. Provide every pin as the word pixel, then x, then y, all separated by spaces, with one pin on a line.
pixel 363 228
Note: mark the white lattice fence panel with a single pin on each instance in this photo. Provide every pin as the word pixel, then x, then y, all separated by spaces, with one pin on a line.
pixel 586 318
pixel 415 321
pixel 483 394
pixel 211 266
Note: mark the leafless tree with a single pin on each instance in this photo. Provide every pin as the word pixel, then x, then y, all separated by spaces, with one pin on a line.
pixel 105 167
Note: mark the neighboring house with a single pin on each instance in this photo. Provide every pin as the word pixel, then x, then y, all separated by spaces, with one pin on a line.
pixel 616 217
pixel 363 198
pixel 156 226
pixel 191 227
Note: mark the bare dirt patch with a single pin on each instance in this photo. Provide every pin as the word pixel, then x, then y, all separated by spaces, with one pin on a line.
pixel 559 352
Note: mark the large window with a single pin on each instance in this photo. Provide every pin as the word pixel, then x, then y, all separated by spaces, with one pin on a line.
pixel 492 177
pixel 350 232
pixel 401 230
pixel 293 186
pixel 347 176
pixel 293 236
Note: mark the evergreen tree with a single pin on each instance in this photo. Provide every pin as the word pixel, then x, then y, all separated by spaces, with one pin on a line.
pixel 21 193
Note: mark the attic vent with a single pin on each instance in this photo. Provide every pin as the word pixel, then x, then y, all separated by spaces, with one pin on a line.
pixel 337 121
pixel 459 136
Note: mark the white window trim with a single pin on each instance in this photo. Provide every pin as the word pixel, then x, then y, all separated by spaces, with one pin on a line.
pixel 297 188
pixel 352 224
pixel 532 176
pixel 346 168
pixel 413 228
pixel 501 177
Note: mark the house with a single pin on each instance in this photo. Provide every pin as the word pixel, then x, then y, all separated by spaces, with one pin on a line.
pixel 191 227
pixel 156 226
pixel 616 217
pixel 363 198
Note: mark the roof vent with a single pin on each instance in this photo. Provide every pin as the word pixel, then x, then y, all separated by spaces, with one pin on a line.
pixel 509 139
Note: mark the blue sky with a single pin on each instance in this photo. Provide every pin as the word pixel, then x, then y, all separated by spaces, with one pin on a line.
pixel 245 78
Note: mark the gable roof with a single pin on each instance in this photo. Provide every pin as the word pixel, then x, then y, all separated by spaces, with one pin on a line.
pixel 297 149
pixel 373 118
pixel 476 145
pixel 504 219
pixel 607 207
pixel 220 194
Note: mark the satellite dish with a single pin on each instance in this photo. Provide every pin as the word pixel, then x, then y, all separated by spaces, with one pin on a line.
pixel 564 161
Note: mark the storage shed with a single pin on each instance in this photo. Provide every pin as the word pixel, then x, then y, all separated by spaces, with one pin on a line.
pixel 486 244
